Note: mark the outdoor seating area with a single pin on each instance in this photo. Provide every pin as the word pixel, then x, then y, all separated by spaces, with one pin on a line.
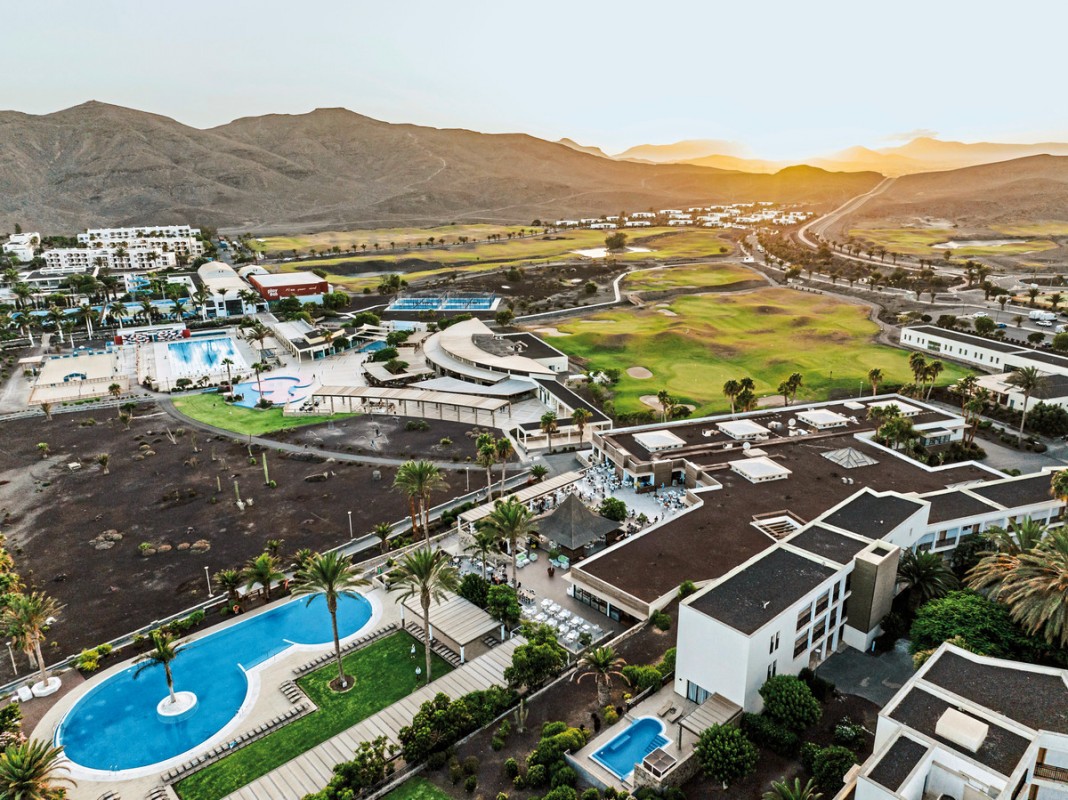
pixel 569 626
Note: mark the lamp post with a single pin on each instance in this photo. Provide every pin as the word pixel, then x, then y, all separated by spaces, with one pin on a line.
pixel 11 655
pixel 207 577
pixel 467 471
pixel 350 526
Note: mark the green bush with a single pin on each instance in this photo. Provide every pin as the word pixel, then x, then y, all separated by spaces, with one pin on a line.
pixel 768 733
pixel 789 701
pixel 536 776
pixel 830 766
pixel 661 621
pixel 88 661
pixel 614 509
pixel 590 794
pixel 725 754
pixel 511 767
pixel 471 783
pixel 686 588
pixel 564 776
pixel 848 733
pixel 519 781
pixel 497 743
pixel 641 678
pixel 456 772
pixel 561 793
pixel 104 650
pixel 470 765
pixel 11 718
pixel 552 729
pixel 667 663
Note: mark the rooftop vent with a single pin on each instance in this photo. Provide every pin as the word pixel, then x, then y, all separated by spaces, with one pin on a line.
pixel 961 729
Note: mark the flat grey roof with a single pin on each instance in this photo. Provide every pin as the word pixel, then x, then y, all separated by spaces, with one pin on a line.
pixel 752 597
pixel 826 543
pixel 871 515
pixel 967 338
pixel 1026 490
pixel 957 504
pixel 897 763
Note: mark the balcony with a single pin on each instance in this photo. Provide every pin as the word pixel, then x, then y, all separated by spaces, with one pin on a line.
pixel 1048 773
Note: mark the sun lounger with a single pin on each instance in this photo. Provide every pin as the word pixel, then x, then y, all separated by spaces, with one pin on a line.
pixel 665 709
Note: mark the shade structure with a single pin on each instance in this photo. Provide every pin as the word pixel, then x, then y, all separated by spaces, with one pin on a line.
pixel 572 526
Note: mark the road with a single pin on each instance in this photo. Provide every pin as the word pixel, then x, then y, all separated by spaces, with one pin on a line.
pixel 820 224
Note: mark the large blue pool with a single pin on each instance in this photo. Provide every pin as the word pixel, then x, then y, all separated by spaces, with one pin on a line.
pixel 116 727
pixel 203 355
pixel 280 389
pixel 640 738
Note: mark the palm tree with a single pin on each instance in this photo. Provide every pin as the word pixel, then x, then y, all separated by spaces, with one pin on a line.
pixel 483 543
pixel 163 651
pixel 262 571
pixel 548 426
pixel 601 663
pixel 486 458
pixel 383 530
pixel 503 449
pixel 259 368
pixel 926 576
pixel 663 397
pixel 1028 380
pixel 428 575
pixel 333 576
pixel 731 390
pixel 1058 485
pixel 228 362
pixel 781 790
pixel 1036 591
pixel 875 377
pixel 539 471
pixel 229 580
pixel 512 521
pixel 27 617
pixel 581 416
pixel 1019 538
pixel 258 332
pixel 405 481
pixel 31 770
pixel 429 479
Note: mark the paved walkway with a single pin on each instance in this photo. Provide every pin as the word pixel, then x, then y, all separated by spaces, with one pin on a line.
pixel 312 770
pixel 875 677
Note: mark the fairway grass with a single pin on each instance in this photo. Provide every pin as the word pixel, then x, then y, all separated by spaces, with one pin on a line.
pixel 210 408
pixel 922 241
pixel 384 674
pixel 417 789
pixel 686 277
pixel 766 334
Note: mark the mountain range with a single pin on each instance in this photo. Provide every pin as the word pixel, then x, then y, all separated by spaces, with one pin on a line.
pixel 99 164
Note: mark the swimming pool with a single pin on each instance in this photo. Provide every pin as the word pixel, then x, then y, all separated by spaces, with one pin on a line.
pixel 279 389
pixel 373 347
pixel 203 355
pixel 116 727
pixel 445 303
pixel 640 738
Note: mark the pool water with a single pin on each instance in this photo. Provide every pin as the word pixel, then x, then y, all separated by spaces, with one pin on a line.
pixel 280 389
pixel 640 738
pixel 116 727
pixel 202 355
pixel 373 347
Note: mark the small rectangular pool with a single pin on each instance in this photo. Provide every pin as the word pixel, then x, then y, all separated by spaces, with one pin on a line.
pixel 641 737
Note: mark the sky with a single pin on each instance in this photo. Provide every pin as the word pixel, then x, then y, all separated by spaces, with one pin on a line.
pixel 780 79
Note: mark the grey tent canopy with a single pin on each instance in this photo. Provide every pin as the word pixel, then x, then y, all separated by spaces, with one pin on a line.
pixel 572 526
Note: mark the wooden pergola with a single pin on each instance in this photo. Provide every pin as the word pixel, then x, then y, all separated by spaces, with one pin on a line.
pixel 369 399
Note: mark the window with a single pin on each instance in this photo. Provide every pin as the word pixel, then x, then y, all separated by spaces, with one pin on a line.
pixel 774 643
pixel 804 617
pixel 771 670
pixel 836 593
pixel 695 693
pixel 819 629
pixel 800 644
pixel 821 604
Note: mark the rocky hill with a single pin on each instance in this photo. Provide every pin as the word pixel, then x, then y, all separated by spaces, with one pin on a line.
pixel 98 164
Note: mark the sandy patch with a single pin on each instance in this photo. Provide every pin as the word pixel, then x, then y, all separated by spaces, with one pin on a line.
pixel 641 373
pixel 598 321
pixel 601 252
pixel 771 401
pixel 667 312
pixel 550 332
pixel 651 401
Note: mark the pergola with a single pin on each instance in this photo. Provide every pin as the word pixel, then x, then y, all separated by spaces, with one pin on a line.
pixel 369 399
pixel 524 495
pixel 456 621
pixel 571 526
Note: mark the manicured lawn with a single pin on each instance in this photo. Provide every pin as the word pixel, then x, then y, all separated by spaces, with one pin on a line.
pixel 922 241
pixel 766 334
pixel 385 673
pixel 690 275
pixel 417 789
pixel 211 409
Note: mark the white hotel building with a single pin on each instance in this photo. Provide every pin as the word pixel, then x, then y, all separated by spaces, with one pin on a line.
pixel 181 239
pixel 70 260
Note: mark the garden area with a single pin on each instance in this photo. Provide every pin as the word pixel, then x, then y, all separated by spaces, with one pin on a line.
pixel 211 409
pixel 384 672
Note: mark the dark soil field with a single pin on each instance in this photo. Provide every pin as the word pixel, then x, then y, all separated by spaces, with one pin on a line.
pixel 170 496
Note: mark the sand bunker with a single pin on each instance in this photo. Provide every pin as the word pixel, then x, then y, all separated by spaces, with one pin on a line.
pixel 602 252
pixel 550 332
pixel 651 401
pixel 641 373
pixel 667 312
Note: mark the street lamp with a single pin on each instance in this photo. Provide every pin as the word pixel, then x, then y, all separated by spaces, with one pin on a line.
pixel 207 577
pixel 11 655
pixel 350 526
pixel 467 470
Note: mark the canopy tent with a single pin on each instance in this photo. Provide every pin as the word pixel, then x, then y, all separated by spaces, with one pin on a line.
pixel 572 526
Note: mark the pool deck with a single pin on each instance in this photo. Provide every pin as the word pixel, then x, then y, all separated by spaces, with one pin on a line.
pixel 267 704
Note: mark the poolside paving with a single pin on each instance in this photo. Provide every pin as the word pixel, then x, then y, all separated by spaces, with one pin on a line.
pixel 312 770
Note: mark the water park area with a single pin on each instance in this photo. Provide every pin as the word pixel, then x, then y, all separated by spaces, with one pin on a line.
pixel 449 301
pixel 214 357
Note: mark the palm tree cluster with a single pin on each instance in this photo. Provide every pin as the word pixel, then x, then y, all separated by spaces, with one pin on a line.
pixel 419 480
pixel 33 770
pixel 789 387
pixel 926 576
pixel 741 394
pixel 511 521
pixel 490 451
pixel 924 374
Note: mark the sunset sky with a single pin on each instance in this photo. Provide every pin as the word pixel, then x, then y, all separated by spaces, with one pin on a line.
pixel 782 79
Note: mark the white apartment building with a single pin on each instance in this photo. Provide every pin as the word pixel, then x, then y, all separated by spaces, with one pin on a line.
pixel 228 294
pixel 80 259
pixel 22 246
pixel 181 239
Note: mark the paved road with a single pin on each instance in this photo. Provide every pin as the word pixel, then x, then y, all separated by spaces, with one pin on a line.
pixel 820 224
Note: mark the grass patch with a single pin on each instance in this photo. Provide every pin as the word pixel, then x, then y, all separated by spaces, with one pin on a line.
pixel 685 277
pixel 417 789
pixel 384 673
pixel 923 241
pixel 211 409
pixel 766 334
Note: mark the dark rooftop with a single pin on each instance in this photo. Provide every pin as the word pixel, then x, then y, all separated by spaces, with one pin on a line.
pixel 564 394
pixel 1045 358
pixel 767 587
pixel 967 338
pixel 532 346
pixel 1001 750
pixel 826 543
pixel 1028 490
pixel 897 763
pixel 873 516
pixel 710 540
pixel 1035 699
pixel 955 505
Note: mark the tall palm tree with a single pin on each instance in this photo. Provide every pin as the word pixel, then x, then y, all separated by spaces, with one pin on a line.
pixel 1019 538
pixel 930 375
pixel 548 426
pixel 262 571
pixel 875 377
pixel 731 390
pixel 483 543
pixel 27 617
pixel 333 576
pixel 510 520
pixel 781 790
pixel 926 575
pixel 163 652
pixel 428 479
pixel 117 311
pixel 662 397
pixel 428 575
pixel 1028 380
pixel 228 362
pixel 601 664
pixel 581 417
pixel 258 333
pixel 405 481
pixel 503 448
pixel 383 530
pixel 486 458
pixel 229 580
pixel 33 770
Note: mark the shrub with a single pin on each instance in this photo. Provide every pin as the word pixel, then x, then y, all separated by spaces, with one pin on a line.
pixel 470 765
pixel 502 796
pixel 590 794
pixel 105 649
pixel 456 772
pixel 88 661
pixel 10 719
pixel 661 621
pixel 610 715
pixel 725 754
pixel 822 689
pixel 768 733
pixel 497 743
pixel 471 783
pixel 552 729
pixel 564 776
pixel 830 766
pixel 789 701
pixel 519 781
pixel 686 588
pixel 641 678
pixel 505 729
pixel 536 776
pixel 561 793
pixel 613 509
pixel 667 663
pixel 511 767
pixel 809 751
pixel 848 733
